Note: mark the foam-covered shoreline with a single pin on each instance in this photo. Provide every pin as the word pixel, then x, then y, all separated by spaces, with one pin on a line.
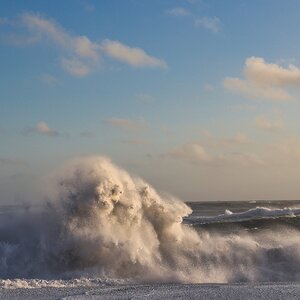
pixel 272 291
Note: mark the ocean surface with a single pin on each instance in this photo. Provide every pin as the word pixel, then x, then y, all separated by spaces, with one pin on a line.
pixel 254 218
pixel 104 234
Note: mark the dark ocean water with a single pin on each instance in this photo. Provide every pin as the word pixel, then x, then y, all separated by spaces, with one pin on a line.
pixel 251 216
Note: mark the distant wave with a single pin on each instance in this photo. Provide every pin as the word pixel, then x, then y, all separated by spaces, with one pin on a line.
pixel 251 214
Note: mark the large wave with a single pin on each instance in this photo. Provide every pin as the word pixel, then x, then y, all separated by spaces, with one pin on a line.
pixel 104 223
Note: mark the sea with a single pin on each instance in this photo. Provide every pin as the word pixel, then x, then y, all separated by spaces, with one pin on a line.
pixel 104 234
pixel 239 219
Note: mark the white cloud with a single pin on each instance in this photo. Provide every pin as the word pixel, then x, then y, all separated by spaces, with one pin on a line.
pixel 85 53
pixel 269 125
pixel 41 27
pixel 126 124
pixel 85 48
pixel 42 128
pixel 265 80
pixel 81 56
pixel 212 24
pixel 191 152
pixel 79 45
pixel 135 57
pixel 252 90
pixel 178 12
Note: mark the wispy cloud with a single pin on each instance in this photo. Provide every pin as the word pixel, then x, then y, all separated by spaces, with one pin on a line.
pixel 264 80
pixel 80 56
pixel 196 153
pixel 79 45
pixel 178 12
pixel 75 67
pixel 126 124
pixel 135 57
pixel 213 24
pixel 42 128
pixel 191 152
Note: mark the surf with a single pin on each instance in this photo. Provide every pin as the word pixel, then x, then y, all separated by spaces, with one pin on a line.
pixel 101 222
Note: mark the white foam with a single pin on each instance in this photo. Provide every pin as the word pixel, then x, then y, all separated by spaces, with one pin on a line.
pixel 42 283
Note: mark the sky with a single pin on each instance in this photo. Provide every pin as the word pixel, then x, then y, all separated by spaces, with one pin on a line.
pixel 198 97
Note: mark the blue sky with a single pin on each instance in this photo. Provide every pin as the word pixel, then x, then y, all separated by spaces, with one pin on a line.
pixel 200 98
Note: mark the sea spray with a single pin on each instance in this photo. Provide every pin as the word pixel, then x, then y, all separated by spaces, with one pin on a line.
pixel 104 223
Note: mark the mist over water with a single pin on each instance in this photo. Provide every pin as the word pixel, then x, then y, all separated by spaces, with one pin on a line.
pixel 102 222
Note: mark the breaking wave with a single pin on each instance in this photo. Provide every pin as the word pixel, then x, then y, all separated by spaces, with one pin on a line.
pixel 251 214
pixel 104 223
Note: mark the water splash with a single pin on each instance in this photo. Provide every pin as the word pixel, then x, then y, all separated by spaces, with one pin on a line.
pixel 103 222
